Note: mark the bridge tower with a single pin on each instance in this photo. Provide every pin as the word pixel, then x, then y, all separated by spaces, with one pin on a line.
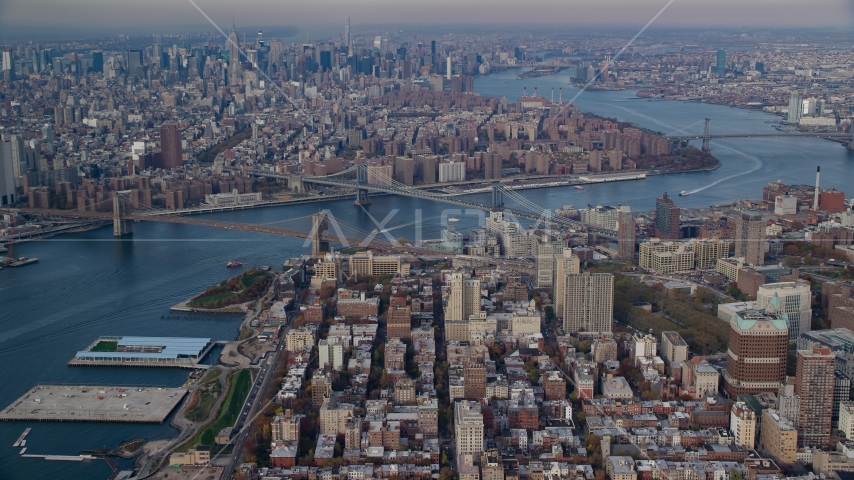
pixel 706 137
pixel 497 197
pixel 295 184
pixel 851 140
pixel 319 227
pixel 121 208
pixel 362 179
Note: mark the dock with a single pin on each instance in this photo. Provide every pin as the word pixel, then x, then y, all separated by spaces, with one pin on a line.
pixel 20 441
pixel 81 403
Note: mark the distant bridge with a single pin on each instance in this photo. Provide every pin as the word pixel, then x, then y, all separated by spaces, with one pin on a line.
pixel 386 184
pixel 760 135
pixel 707 135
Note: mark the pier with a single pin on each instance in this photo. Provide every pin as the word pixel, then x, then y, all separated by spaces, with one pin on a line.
pixel 81 403
pixel 112 351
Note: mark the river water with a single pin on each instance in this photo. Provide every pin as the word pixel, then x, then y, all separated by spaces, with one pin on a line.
pixel 90 284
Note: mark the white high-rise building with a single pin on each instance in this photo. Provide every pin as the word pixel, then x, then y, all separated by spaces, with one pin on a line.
pixel 513 241
pixel 795 302
pixel 795 105
pixel 742 424
pixel 8 61
pixel 330 352
pixel 468 427
pixel 565 263
pixel 545 250
pixel 452 172
pixel 463 302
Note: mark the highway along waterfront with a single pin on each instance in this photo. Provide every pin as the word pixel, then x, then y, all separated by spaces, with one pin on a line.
pixel 90 284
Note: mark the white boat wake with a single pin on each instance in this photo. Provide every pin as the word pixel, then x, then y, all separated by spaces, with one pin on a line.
pixel 757 162
pixel 757 165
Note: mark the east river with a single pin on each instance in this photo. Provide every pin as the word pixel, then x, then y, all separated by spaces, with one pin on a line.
pixel 90 284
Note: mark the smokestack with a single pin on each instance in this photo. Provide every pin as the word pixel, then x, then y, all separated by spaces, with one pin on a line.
pixel 524 91
pixel 535 92
pixel 560 95
pixel 553 94
pixel 815 197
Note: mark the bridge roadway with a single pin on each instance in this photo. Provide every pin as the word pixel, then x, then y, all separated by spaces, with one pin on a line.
pixel 258 228
pixel 453 200
pixel 699 136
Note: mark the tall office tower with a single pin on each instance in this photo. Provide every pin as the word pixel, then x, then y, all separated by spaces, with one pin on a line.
pixel 449 68
pixel 98 62
pixel 742 424
pixel 545 251
pixel 625 235
pixel 135 62
pixel 7 173
pixel 463 302
pixel 36 59
pixel 233 49
pixel 588 302
pixel 566 263
pixel 814 386
pixel 468 427
pixel 170 146
pixel 720 65
pixel 795 105
pixel 750 238
pixel 796 301
pixel 758 346
pixel 666 218
pixel 347 37
pixel 8 61
pixel 19 157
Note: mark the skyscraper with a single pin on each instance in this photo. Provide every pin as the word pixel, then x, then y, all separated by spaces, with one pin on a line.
pixel 758 347
pixel 545 251
pixel 98 62
pixel 566 263
pixel 468 427
pixel 7 173
pixel 8 61
pixel 795 105
pixel 586 302
pixel 750 238
pixel 135 62
pixel 231 46
pixel 796 304
pixel 666 218
pixel 463 302
pixel 625 234
pixel 720 65
pixel 814 386
pixel 170 146
pixel 347 37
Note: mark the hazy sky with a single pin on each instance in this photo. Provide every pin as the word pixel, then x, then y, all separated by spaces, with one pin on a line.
pixel 140 13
